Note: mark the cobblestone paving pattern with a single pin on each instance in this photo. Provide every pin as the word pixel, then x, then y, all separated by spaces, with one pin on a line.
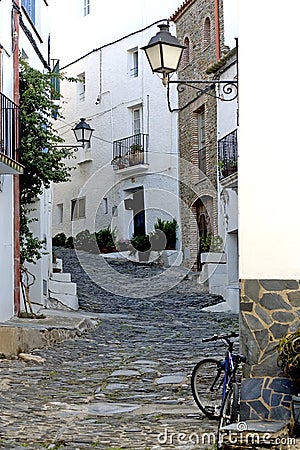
pixel 125 384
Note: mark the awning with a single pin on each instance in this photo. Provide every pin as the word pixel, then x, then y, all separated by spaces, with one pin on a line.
pixel 10 166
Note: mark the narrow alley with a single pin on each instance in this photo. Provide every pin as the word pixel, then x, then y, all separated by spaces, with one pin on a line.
pixel 125 384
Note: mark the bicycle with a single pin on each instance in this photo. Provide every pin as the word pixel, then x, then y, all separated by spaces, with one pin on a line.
pixel 215 383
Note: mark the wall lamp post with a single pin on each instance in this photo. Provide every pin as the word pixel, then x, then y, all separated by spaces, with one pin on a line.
pixel 83 133
pixel 164 53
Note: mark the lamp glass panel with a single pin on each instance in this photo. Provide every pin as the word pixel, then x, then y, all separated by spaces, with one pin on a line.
pixel 153 54
pixel 171 57
pixel 78 134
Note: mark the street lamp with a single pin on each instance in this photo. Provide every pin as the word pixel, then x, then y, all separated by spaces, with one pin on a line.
pixel 83 133
pixel 164 53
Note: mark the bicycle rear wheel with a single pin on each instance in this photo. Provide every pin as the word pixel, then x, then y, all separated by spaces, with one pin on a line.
pixel 207 383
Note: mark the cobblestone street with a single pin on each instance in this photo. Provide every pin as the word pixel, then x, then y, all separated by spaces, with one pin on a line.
pixel 125 384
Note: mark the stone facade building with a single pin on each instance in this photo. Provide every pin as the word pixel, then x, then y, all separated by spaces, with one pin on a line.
pixel 200 27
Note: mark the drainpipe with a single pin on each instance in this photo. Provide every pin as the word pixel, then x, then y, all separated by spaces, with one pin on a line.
pixel 16 179
pixel 217 20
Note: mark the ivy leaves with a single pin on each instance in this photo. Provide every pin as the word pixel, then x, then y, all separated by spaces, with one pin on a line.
pixel 38 152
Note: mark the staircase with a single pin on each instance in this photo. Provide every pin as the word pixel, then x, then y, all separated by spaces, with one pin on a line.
pixel 62 292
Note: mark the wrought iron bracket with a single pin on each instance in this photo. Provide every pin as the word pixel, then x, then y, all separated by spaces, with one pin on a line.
pixel 228 90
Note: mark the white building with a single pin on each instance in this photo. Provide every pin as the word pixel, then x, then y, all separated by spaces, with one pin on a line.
pixel 34 47
pixel 27 33
pixel 9 168
pixel 125 104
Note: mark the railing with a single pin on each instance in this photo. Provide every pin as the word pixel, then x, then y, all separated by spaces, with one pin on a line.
pixel 130 151
pixel 9 127
pixel 227 154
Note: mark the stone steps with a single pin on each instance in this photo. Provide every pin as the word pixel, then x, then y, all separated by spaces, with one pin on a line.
pixel 62 292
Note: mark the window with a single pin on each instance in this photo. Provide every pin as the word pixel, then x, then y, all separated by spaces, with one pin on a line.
pixel 136 121
pixel 206 33
pixel 86 7
pixel 59 213
pixel 105 206
pixel 133 63
pixel 29 5
pixel 201 141
pixel 77 208
pixel 186 52
pixel 81 87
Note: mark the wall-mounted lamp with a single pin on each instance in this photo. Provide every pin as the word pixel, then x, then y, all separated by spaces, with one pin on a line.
pixel 83 134
pixel 164 53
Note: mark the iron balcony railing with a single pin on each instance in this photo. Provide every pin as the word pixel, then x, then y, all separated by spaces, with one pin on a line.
pixel 130 151
pixel 227 154
pixel 9 127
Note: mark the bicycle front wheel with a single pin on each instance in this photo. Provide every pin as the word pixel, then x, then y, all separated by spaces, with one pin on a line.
pixel 207 384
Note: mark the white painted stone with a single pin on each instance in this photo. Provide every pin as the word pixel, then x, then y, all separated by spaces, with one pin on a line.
pixel 62 287
pixel 68 300
pixel 213 258
pixel 61 277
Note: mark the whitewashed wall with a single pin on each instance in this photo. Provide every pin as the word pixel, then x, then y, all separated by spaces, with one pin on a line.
pixel 41 228
pixel 6 181
pixel 108 80
pixel 269 157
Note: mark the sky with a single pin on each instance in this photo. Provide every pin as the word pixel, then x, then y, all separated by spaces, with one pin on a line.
pixel 110 20
pixel 114 20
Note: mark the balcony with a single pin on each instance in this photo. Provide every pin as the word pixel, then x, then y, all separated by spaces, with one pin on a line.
pixel 227 155
pixel 9 136
pixel 131 153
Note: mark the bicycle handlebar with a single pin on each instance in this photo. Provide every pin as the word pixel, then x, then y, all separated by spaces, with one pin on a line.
pixel 215 337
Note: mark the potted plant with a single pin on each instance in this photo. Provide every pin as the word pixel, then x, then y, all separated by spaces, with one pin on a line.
pixel 158 240
pixel 141 244
pixel 168 227
pixel 136 154
pixel 289 361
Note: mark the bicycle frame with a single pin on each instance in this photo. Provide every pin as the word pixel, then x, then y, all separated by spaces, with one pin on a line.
pixel 229 366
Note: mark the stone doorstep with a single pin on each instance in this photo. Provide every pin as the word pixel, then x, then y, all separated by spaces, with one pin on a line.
pixel 260 433
pixel 25 335
pixel 62 287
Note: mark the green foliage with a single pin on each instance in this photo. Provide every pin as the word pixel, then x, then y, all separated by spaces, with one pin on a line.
pixel 140 243
pixel 106 239
pixel 211 243
pixel 168 227
pixel 84 240
pixel 43 161
pixel 59 240
pixel 289 354
pixel 70 242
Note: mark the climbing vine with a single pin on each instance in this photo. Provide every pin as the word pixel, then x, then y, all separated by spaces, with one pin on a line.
pixel 38 152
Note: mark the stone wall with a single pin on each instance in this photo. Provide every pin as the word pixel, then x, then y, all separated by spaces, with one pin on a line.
pixel 269 309
pixel 193 185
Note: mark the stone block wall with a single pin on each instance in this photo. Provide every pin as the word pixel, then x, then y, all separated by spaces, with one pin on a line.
pixel 190 20
pixel 269 309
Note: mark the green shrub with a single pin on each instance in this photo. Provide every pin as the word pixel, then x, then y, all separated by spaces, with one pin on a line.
pixel 105 240
pixel 70 242
pixel 140 243
pixel 168 227
pixel 289 355
pixel 84 240
pixel 211 243
pixel 59 240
